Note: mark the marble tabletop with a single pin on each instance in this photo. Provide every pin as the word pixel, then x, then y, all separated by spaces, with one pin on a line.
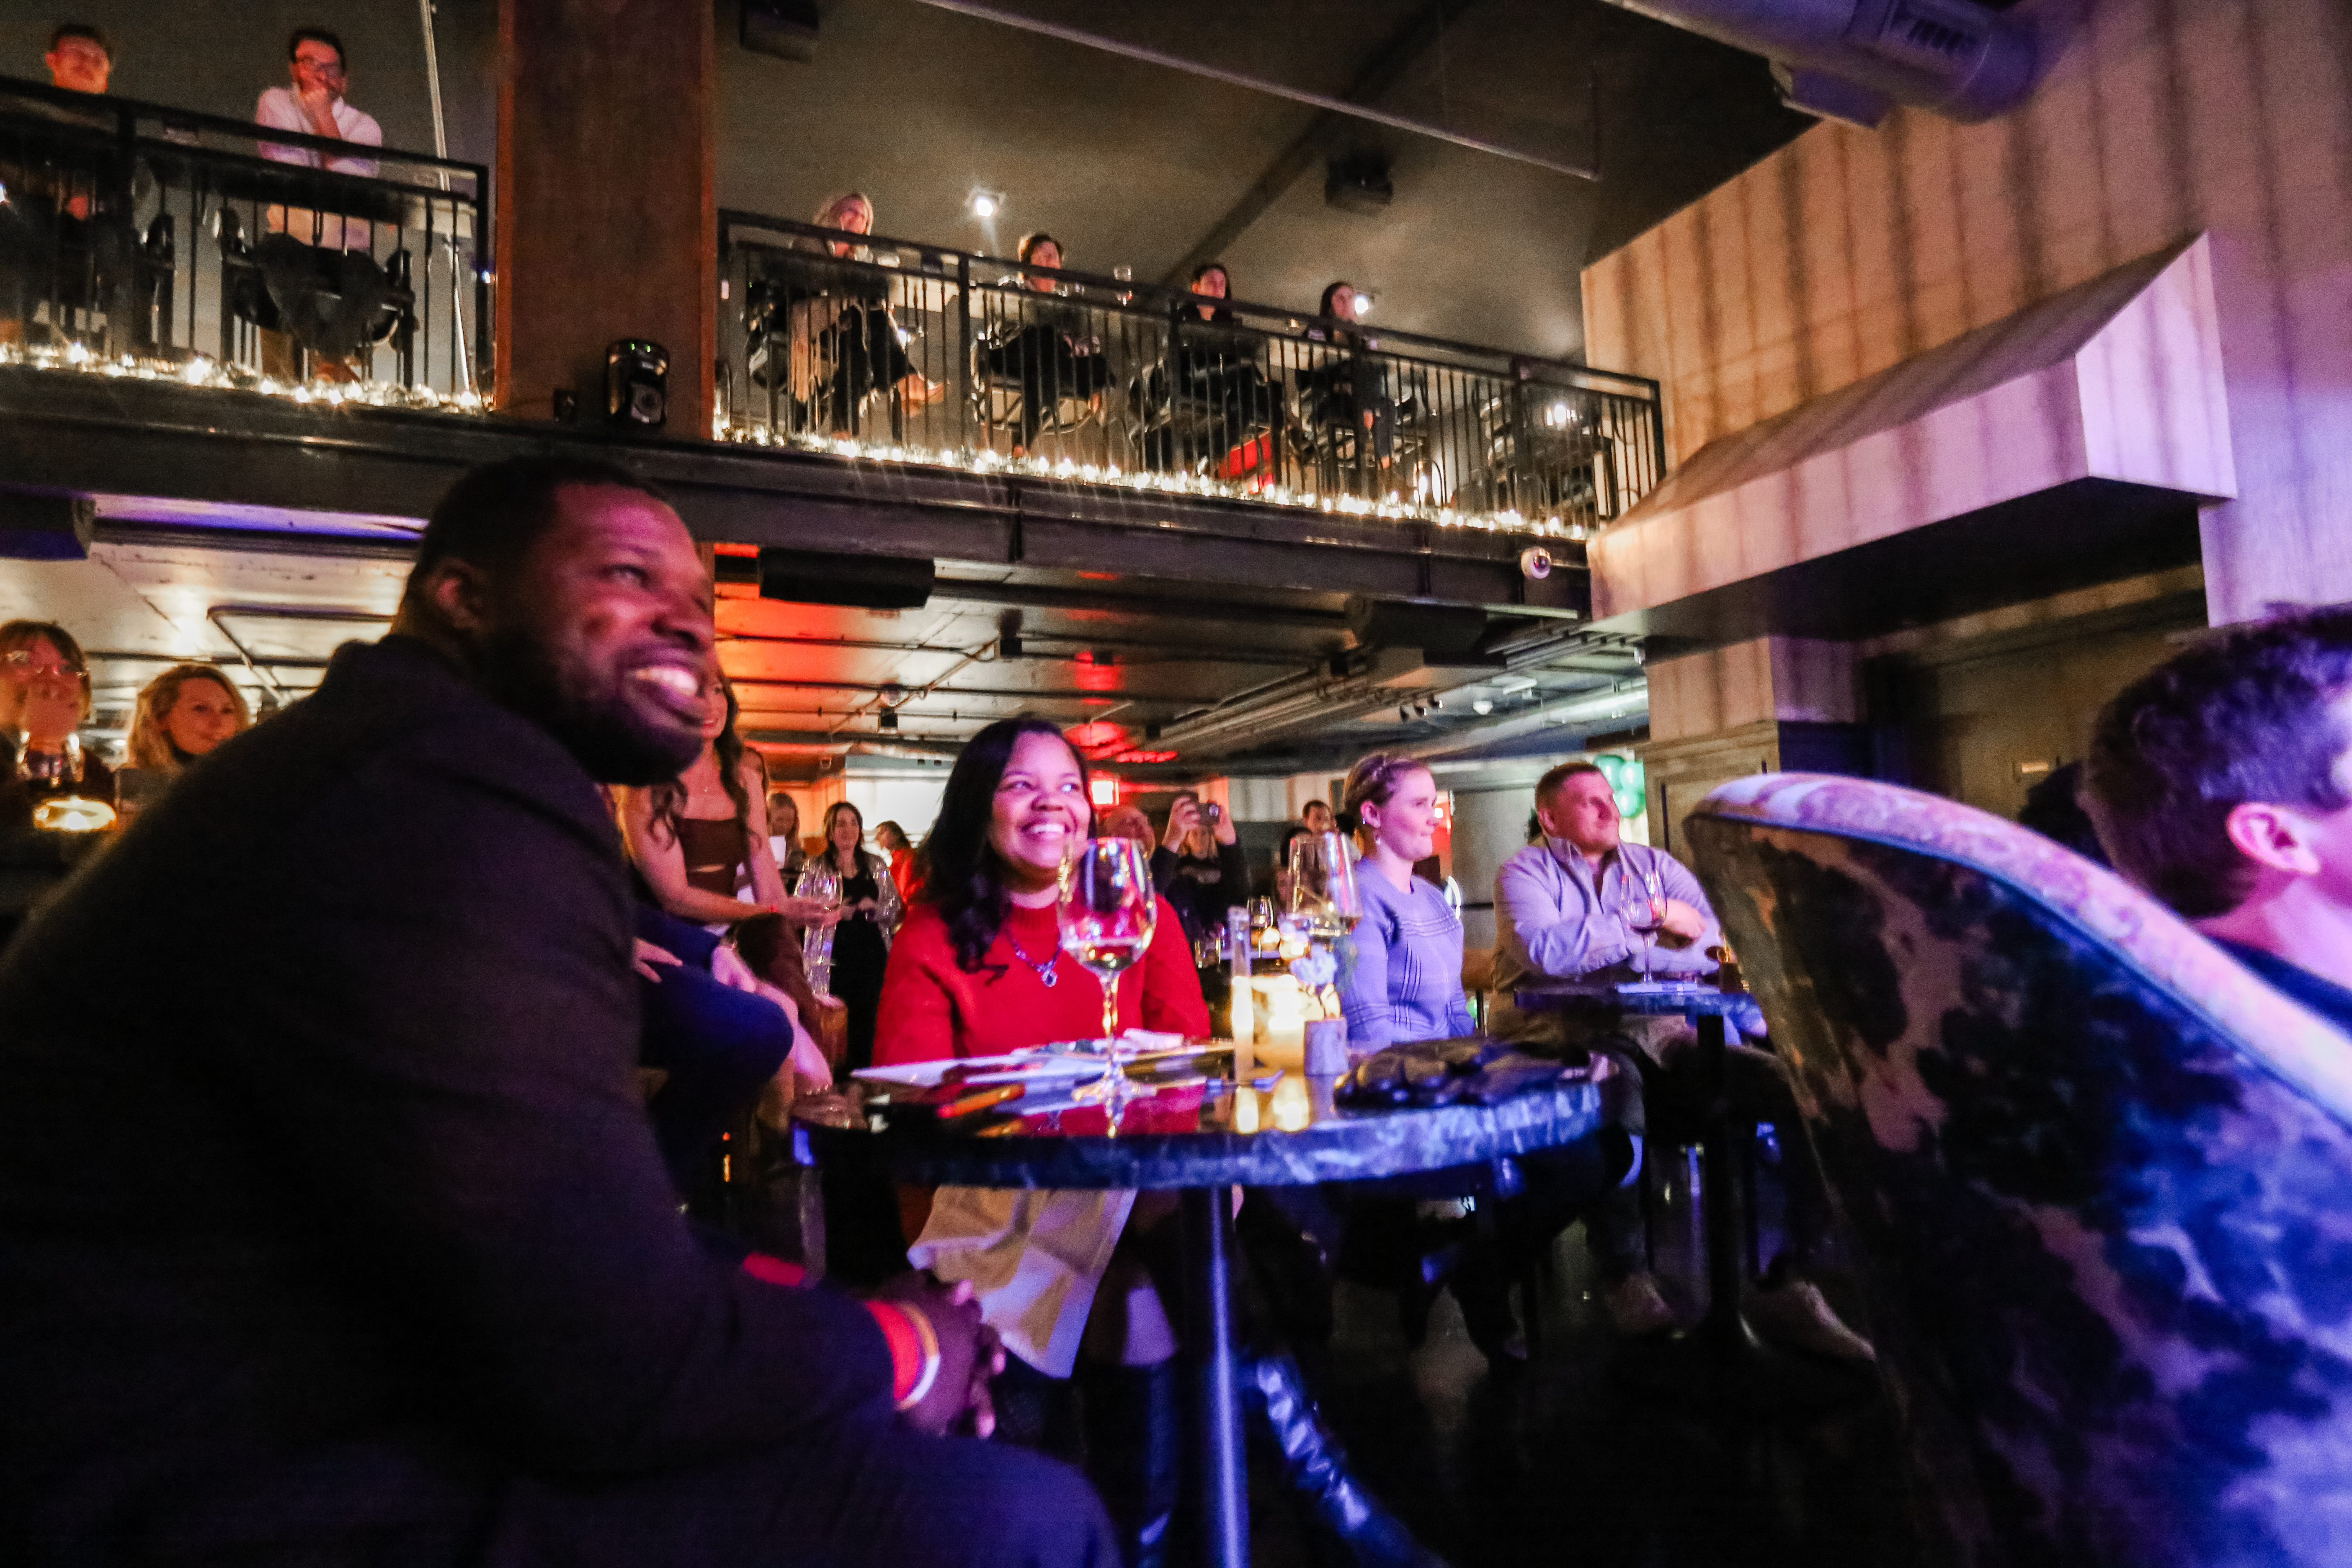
pixel 1686 1000
pixel 1201 1135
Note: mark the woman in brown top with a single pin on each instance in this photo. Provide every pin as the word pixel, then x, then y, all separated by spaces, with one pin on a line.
pixel 692 841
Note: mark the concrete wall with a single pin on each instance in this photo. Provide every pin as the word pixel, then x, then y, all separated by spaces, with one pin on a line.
pixel 1849 251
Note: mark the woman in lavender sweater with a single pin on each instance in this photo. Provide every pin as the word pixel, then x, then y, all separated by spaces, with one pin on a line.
pixel 1406 981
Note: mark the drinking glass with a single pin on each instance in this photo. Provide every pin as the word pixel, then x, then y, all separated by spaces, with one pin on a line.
pixel 819 881
pixel 1645 912
pixel 1108 912
pixel 1323 885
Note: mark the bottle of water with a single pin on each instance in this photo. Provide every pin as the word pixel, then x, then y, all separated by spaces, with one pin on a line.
pixel 821 883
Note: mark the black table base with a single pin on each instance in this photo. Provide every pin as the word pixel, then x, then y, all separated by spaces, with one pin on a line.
pixel 1221 1461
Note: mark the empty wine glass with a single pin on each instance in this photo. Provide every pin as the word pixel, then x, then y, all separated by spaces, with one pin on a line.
pixel 1323 885
pixel 1107 914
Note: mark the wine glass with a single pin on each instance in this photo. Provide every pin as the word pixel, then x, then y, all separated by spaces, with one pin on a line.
pixel 1645 912
pixel 1323 885
pixel 1108 912
pixel 820 882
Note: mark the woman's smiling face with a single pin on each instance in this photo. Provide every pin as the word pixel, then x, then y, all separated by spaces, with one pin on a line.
pixel 1040 811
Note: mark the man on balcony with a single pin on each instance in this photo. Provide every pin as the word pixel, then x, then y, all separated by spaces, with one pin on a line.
pixel 314 105
pixel 80 60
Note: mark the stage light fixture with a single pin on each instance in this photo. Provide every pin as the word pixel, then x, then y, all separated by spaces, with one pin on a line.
pixel 887 720
pixel 985 204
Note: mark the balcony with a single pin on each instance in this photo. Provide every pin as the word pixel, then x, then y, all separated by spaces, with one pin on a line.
pixel 155 243
pixel 917 353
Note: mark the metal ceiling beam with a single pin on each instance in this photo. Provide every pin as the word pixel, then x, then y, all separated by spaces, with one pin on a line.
pixel 1338 106
pixel 1044 596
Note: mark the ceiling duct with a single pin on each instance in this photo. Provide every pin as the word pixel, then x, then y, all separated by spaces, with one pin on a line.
pixel 1853 60
pixel 862 581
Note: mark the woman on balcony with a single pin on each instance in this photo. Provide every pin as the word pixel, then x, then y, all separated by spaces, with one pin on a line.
pixel 1225 414
pixel 1049 350
pixel 1344 400
pixel 841 343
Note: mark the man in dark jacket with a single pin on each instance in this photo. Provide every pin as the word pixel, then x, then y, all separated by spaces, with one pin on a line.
pixel 331 1229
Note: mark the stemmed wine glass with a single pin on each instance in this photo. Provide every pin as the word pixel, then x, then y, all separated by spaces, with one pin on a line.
pixel 1645 912
pixel 1326 904
pixel 1108 912
pixel 820 882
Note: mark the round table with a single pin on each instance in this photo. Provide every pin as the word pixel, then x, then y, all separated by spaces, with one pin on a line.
pixel 1289 1136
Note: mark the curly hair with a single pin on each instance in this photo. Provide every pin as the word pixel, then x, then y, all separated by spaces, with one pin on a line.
pixel 2242 717
pixel 963 878
pixel 151 747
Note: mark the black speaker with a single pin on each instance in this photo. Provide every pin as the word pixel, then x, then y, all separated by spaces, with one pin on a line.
pixel 636 385
pixel 863 581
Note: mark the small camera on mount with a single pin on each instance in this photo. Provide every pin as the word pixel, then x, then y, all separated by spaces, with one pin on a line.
pixel 1535 562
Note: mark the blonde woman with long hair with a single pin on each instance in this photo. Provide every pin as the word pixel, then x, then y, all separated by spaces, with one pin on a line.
pixel 182 715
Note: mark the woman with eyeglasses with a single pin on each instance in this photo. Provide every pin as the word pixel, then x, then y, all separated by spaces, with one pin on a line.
pixel 45 698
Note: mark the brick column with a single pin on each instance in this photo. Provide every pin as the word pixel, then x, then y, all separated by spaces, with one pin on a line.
pixel 607 225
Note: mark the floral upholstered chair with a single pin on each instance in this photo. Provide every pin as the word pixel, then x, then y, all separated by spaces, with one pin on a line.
pixel 2097 1175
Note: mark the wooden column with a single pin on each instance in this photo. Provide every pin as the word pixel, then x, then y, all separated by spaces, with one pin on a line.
pixel 607 223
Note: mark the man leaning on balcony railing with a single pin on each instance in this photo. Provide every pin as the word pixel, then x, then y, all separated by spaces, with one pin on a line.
pixel 314 105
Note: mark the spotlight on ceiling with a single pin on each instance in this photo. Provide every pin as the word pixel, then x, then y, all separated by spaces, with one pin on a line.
pixel 1482 706
pixel 887 720
pixel 1363 304
pixel 1405 714
pixel 984 203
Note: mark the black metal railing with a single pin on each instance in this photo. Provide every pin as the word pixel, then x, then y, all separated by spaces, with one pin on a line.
pixel 921 352
pixel 153 240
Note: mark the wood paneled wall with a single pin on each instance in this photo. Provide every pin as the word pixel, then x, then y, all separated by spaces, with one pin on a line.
pixel 1849 251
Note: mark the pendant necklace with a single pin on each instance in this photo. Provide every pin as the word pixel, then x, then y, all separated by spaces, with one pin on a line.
pixel 1045 971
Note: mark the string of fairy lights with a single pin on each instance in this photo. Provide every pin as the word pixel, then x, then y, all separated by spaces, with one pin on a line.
pixel 203 370
pixel 987 461
pixel 200 370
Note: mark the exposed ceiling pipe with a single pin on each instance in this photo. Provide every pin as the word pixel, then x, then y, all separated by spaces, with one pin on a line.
pixel 1622 698
pixel 1260 84
pixel 1854 60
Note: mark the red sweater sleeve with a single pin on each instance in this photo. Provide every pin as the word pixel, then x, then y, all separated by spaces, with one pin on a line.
pixel 917 1020
pixel 1172 1002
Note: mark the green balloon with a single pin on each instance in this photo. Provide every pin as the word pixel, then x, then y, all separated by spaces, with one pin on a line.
pixel 1626 782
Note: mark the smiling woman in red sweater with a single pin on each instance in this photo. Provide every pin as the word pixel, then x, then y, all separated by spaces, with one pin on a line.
pixel 977 969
